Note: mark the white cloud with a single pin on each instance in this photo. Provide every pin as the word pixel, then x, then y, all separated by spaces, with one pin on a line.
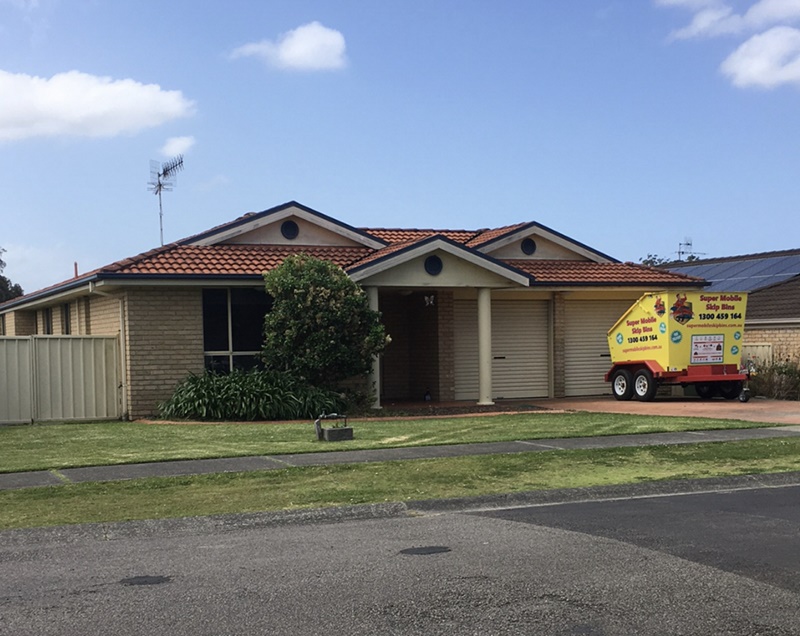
pixel 766 60
pixel 76 104
pixel 177 146
pixel 771 55
pixel 715 17
pixel 310 47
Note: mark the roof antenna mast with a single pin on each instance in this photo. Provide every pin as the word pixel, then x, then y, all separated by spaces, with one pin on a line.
pixel 162 178
pixel 685 249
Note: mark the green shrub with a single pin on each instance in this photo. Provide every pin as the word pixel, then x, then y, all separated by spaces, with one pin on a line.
pixel 779 381
pixel 248 396
pixel 320 327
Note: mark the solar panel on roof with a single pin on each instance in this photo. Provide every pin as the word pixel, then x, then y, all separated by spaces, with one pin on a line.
pixel 744 275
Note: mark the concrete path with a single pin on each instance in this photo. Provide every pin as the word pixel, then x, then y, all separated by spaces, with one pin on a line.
pixel 11 481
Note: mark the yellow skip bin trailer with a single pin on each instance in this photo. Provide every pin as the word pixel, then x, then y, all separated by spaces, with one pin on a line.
pixel 679 337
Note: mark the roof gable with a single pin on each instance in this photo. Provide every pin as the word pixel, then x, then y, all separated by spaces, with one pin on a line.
pixel 548 244
pixel 408 263
pixel 267 227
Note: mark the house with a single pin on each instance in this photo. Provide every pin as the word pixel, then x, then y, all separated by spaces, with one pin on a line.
pixel 772 280
pixel 513 312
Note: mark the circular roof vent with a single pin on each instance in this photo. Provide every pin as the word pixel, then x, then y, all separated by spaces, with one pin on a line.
pixel 433 265
pixel 289 230
pixel 528 246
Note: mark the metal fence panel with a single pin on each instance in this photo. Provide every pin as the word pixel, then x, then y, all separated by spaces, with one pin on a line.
pixel 76 378
pixel 16 380
pixel 758 354
pixel 59 378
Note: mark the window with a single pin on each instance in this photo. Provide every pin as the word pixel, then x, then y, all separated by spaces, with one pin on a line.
pixel 233 327
pixel 47 321
pixel 66 319
pixel 3 325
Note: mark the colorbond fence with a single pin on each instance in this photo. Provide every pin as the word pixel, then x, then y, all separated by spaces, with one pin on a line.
pixel 44 378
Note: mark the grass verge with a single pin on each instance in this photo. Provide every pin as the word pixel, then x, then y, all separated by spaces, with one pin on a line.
pixel 388 481
pixel 53 446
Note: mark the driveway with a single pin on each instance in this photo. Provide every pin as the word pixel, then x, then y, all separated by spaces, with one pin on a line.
pixel 756 410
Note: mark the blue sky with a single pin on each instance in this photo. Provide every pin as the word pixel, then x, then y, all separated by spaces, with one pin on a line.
pixel 628 125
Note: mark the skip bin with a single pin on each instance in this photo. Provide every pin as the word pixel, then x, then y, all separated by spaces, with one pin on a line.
pixel 679 337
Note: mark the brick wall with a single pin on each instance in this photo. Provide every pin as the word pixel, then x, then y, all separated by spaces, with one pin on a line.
pixel 559 351
pixel 164 331
pixel 20 323
pixel 447 367
pixel 785 341
pixel 103 315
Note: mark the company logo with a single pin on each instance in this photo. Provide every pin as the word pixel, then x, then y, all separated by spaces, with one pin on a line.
pixel 737 335
pixel 662 327
pixel 735 350
pixel 676 336
pixel 681 311
pixel 619 338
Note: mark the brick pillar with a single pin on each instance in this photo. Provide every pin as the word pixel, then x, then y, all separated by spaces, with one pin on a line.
pixel 447 366
pixel 559 328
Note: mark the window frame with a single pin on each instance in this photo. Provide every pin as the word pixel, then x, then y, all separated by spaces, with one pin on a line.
pixel 230 353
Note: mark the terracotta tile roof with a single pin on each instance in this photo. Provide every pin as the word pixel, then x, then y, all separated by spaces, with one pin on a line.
pixel 559 272
pixel 489 235
pixel 386 251
pixel 409 235
pixel 182 259
pixel 200 260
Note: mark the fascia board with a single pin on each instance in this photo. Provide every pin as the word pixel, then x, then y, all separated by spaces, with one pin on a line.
pixel 277 215
pixel 470 256
pixel 49 297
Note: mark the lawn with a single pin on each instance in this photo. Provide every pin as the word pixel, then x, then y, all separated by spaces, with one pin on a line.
pixel 294 488
pixel 54 446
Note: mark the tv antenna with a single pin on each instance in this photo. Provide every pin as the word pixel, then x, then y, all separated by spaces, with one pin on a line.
pixel 685 249
pixel 162 179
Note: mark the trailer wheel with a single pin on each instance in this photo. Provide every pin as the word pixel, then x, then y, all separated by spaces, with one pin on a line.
pixel 705 390
pixel 622 384
pixel 644 385
pixel 730 390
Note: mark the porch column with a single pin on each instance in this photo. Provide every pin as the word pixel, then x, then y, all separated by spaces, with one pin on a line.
pixel 485 346
pixel 375 374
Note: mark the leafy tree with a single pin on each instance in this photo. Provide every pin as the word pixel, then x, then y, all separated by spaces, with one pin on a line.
pixel 8 290
pixel 653 260
pixel 320 328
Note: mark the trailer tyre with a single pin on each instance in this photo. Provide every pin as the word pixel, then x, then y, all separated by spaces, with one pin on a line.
pixel 644 385
pixel 705 390
pixel 622 384
pixel 731 390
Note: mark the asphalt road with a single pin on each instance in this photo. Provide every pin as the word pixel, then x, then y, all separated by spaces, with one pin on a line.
pixel 711 563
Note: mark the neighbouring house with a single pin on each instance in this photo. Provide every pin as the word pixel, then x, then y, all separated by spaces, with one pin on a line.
pixel 772 280
pixel 514 312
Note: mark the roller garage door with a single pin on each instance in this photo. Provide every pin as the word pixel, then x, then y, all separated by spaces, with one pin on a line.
pixel 520 349
pixel 586 357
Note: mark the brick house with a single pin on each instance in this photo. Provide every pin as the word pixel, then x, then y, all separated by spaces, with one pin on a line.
pixel 772 280
pixel 513 312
